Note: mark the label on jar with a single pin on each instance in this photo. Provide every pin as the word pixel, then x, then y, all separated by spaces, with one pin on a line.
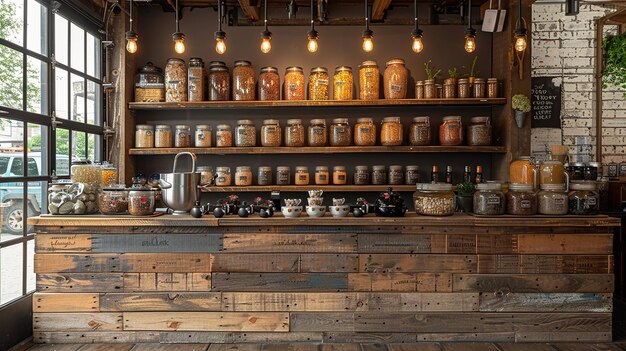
pixel 303 177
pixel 148 133
pixel 525 204
pixel 360 177
pixel 341 177
pixel 591 201
pixel 270 129
pixel 340 129
pixel 243 178
pixel 318 130
pixel 241 131
pixel 174 82
pixel 181 135
pixel 369 74
pixel 494 200
pixel 340 83
pixel 221 179
pixel 322 82
pixel 200 136
pixel 365 129
pixel 293 86
pixel 322 177
pixel 453 126
pixel 396 88
pixel 283 177
pixel 559 201
pixel 192 87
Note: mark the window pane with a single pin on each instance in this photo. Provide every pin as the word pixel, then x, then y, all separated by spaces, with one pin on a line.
pixel 61 82
pixel 93 56
pixel 78 144
pixel 93 96
pixel 78 99
pixel 93 147
pixel 11 272
pixel 36 88
pixel 77 60
pixel 37 160
pixel 11 78
pixel 11 219
pixel 12 156
pixel 61 38
pixel 62 152
pixel 30 266
pixel 12 13
pixel 36 27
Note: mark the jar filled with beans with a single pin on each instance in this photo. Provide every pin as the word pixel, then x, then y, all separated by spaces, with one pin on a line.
pixel 379 175
pixel 195 76
pixel 340 133
pixel 265 175
pixel 412 175
pixel 203 135
pixel 479 131
pixel 391 133
pixel 479 87
pixel 395 79
pixel 436 199
pixel 223 176
pixel 396 176
pixel 218 82
pixel 302 175
pixel 521 199
pixel 552 199
pixel 318 83
pixel 369 81
pixel 243 176
pixel 361 175
pixel 342 83
pixel 244 87
pixel 430 89
pixel 283 175
pixel 419 131
pixel 271 133
pixel 318 135
pixel 321 175
pixel 182 136
pixel 451 131
pixel 419 89
pixel 489 199
pixel 175 80
pixel 340 176
pixel 293 87
pixel 365 132
pixel 269 84
pixel 144 136
pixel 245 134
pixel 464 88
pixel 224 135
pixel 294 133
pixel 163 135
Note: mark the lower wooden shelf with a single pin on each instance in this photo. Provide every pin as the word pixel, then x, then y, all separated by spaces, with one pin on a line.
pixel 303 188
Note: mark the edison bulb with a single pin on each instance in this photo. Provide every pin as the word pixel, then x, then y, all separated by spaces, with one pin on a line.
pixel 266 45
pixel 368 44
pixel 470 43
pixel 220 45
pixel 131 45
pixel 417 46
pixel 312 45
pixel 520 43
pixel 179 45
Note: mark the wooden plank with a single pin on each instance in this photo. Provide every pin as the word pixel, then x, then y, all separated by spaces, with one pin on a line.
pixel 63 243
pixel 545 302
pixel 524 347
pixel 192 301
pixel 566 244
pixel 95 337
pixel 171 281
pixel 60 263
pixel 563 336
pixel 374 347
pixel 251 12
pixel 223 262
pixel 179 347
pixel 466 337
pixel 196 337
pixel 279 281
pixel 394 243
pixel 53 347
pixel 140 282
pixel 199 282
pixel 544 264
pixel 322 321
pixel 77 322
pixel 480 346
pixel 557 283
pixel 330 263
pixel 297 243
pixel 330 337
pixel 107 347
pixel 234 347
pixel 80 282
pixel 301 188
pixel 431 263
pixel 63 302
pixel 290 347
pixel 207 321
pixel 340 347
pixel 461 243
pixel 505 243
pixel 291 337
pixel 146 243
pixel 418 347
pixel 382 282
pixel 166 262
pixel 586 347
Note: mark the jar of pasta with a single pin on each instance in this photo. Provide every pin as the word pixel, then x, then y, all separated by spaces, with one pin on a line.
pixel 203 135
pixel 271 133
pixel 391 133
pixel 342 83
pixel 451 131
pixel 294 133
pixel 224 135
pixel 321 175
pixel 379 175
pixel 265 175
pixel 302 175
pixel 269 84
pixel 361 175
pixel 108 174
pixel 318 134
pixel 479 131
pixel 195 79
pixel 163 135
pixel 293 87
pixel 244 87
pixel 419 131
pixel 175 80
pixel 144 136
pixel 365 132
pixel 340 133
pixel 318 83
pixel 340 177
pixel 223 176
pixel 369 81
pixel 243 176
pixel 182 136
pixel 283 175
pixel 218 82
pixel 395 79
pixel 245 134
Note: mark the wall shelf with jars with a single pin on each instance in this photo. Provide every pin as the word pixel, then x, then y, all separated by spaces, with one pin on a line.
pixel 303 188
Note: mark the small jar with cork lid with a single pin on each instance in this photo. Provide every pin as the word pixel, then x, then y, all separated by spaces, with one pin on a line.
pixel 340 176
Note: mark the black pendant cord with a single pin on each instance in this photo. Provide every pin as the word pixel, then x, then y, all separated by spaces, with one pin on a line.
pixel 131 16
pixel 312 20
pixel 367 19
pixel 469 14
pixel 265 14
pixel 177 25
pixel 415 15
pixel 219 16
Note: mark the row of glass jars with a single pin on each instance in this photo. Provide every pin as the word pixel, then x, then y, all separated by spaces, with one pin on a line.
pixel 94 174
pixel 550 171
pixel 136 201
pixel 457 88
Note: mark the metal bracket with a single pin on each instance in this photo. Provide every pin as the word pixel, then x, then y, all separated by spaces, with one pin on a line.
pixel 55 122
pixel 107 44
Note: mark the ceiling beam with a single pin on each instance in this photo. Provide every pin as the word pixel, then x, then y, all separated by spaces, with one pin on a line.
pixel 251 12
pixel 378 9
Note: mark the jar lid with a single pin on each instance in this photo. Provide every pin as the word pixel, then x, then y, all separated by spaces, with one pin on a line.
pixel 265 169
pixel 452 118
pixel 203 127
pixel 294 121
pixel 321 168
pixel 175 59
pixel 583 185
pixel 343 68
pixel 319 70
pixel 480 119
pixel 162 126
pixel 145 127
pixel 224 126
pixel 492 80
pixel 271 121
pixel 395 61
pixel 378 168
pixel 553 162
pixel 222 169
pixel 269 70
pixel 339 169
pixel 365 120
pixel 293 69
pixel 595 164
pixel 489 186
pixel 419 82
pixel 245 122
pixel 437 187
pixel 463 81
pixel 141 189
pixel 283 168
pixel 243 168
pixel 302 169
pixel 361 168
pixel 218 69
pixel 578 164
pixel 216 63
pixel 553 187
pixel 479 80
pixel 340 121
pixel 395 168
pixel 204 169
pixel 412 168
pixel 150 68
pixel 369 63
pixel 391 120
pixel 183 126
pixel 318 121
pixel 521 187
pixel 425 119
pixel 196 61
pixel 243 63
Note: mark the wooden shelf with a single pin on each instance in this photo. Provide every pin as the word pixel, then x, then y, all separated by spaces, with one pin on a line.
pixel 309 103
pixel 317 150
pixel 304 188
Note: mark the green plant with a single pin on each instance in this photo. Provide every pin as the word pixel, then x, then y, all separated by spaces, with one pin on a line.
pixel 473 72
pixel 615 61
pixel 453 73
pixel 431 72
pixel 521 102
pixel 465 189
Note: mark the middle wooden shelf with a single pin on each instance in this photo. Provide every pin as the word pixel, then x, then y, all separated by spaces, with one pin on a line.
pixel 305 188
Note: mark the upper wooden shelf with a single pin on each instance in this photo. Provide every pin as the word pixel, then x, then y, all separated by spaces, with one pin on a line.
pixel 310 103
pixel 305 188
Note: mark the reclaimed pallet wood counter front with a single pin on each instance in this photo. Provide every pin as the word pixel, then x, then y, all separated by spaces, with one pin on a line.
pixel 176 279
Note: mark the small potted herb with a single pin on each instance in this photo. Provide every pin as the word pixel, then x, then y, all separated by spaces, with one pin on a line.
pixel 430 91
pixel 521 106
pixel 465 196
pixel 449 84
pixel 473 73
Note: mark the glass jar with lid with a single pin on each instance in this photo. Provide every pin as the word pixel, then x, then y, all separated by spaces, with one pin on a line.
pixel 271 133
pixel 521 199
pixel 318 135
pixel 294 133
pixel 108 175
pixel 369 81
pixel 419 89
pixel 522 171
pixel 243 176
pixel 434 199
pixel 141 201
pixel 479 87
pixel 396 176
pixel 83 171
pixel 269 84
pixel 391 133
pixel 583 198
pixel 182 136
pixel 319 82
pixel 430 89
pixel 552 199
pixel 464 88
pixel 489 199
pixel 218 82
pixel 302 175
pixel 576 171
pixel 419 131
pixel 175 80
pixel 321 175
pixel 144 136
pixel 342 83
pixel 340 133
pixel 283 175
pixel 479 131
pixel 244 87
pixel 340 176
pixel 395 79
pixel 412 175
pixel 64 198
pixel 492 88
pixel 265 175
pixel 379 175
pixel 150 84
pixel 163 136
pixel 553 172
pixel 361 175
pixel 451 131
pixel 293 86
pixel 113 200
pixel 223 177
pixel 195 79
pixel 365 132
pixel 203 135
pixel 206 175
pixel 224 135
pixel 245 134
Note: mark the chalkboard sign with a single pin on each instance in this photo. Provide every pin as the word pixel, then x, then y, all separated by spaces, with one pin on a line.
pixel 545 102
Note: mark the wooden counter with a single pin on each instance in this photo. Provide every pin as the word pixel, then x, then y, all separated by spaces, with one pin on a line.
pixel 179 279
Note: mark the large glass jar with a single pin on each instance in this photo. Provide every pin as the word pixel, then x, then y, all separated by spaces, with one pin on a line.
pixel 293 87
pixel 340 176
pixel 340 133
pixel 369 81
pixel 67 198
pixel 489 199
pixel 245 134
pixel 552 199
pixel 269 84
pixel 522 171
pixel 479 131
pixel 108 175
pixel 195 79
pixel 150 84
pixel 113 200
pixel 163 136
pixel 395 79
pixel 419 131
pixel 223 176
pixel 141 201
pixel 264 176
pixel 244 87
pixel 435 199
pixel 283 175
pixel 318 135
pixel 552 172
pixel 396 176
pixel 294 133
pixel 243 176
pixel 342 83
pixel 521 199
pixel 271 133
pixel 583 198
pixel 224 135
pixel 451 131
pixel 361 175
pixel 365 132
pixel 322 176
pixel 85 172
pixel 175 80
pixel 219 82
pixel 206 175
pixel 391 133
pixel 182 136
pixel 144 136
pixel 203 135
pixel 412 175
pixel 302 175
pixel 379 175
pixel 318 83
pixel 576 171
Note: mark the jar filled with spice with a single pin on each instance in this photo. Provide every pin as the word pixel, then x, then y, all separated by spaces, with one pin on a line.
pixel 464 88
pixel 182 136
pixel 113 200
pixel 271 133
pixel 144 136
pixel 391 133
pixel 521 199
pixel 479 87
pixel 365 132
pixel 361 175
pixel 576 171
pixel 396 176
pixel 175 80
pixel 489 199
pixel 108 175
pixel 492 88
pixel 583 198
pixel 449 88
pixel 419 89
pixel 369 81
pixel 245 134
pixel 379 175
pixel 340 176
pixel 294 133
pixel 223 176
pixel 283 175
pixel 244 87
pixel 302 175
pixel 206 175
pixel 412 175
pixel 322 176
pixel 269 84
pixel 395 79
pixel 342 83
pixel 293 87
pixel 265 175
pixel 552 172
pixel 318 84
pixel 419 131
pixel 195 79
pixel 141 201
pixel 522 171
pixel 318 135
pixel 430 90
pixel 552 199
pixel 150 84
pixel 436 199
pixel 203 135
pixel 218 82
pixel 479 131
pixel 340 132
pixel 224 135
pixel 451 131
pixel 163 135
pixel 243 176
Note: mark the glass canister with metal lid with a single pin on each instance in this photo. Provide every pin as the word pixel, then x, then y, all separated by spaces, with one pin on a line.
pixel 218 82
pixel 479 131
pixel 522 171
pixel 489 199
pixel 182 136
pixel 451 131
pixel 318 135
pixel 141 201
pixel 150 84
pixel 434 199
pixel 203 135
pixel 206 175
pixel 419 131
pixel 319 83
pixel 269 84
pixel 83 171
pixel 294 133
pixel 521 199
pixel 195 79
pixel 271 133
pixel 293 86
pixel 365 132
pixel 552 199
pixel 340 132
pixel 144 136
pixel 391 133
pixel 369 81
pixel 342 83
pixel 395 79
pixel 245 134
pixel 244 87
pixel 583 198
pixel 113 200
pixel 163 135
pixel 175 80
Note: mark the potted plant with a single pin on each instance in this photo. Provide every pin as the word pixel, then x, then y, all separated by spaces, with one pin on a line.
pixel 471 76
pixel 432 73
pixel 453 76
pixel 465 196
pixel 449 84
pixel 521 106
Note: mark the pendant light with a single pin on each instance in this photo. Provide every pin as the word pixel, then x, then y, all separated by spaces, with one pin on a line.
pixel 220 35
pixel 178 37
pixel 470 33
pixel 520 33
pixel 312 36
pixel 417 34
pixel 131 36
pixel 368 35
pixel 266 35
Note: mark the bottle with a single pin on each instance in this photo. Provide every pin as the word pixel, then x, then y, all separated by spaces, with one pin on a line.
pixel 449 174
pixel 434 177
pixel 467 174
pixel 479 174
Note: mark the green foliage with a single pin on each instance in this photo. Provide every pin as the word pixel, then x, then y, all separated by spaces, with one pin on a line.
pixel 431 72
pixel 453 73
pixel 465 189
pixel 473 72
pixel 615 61
pixel 521 102
pixel 62 145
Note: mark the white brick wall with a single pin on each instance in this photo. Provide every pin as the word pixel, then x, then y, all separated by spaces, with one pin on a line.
pixel 564 46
